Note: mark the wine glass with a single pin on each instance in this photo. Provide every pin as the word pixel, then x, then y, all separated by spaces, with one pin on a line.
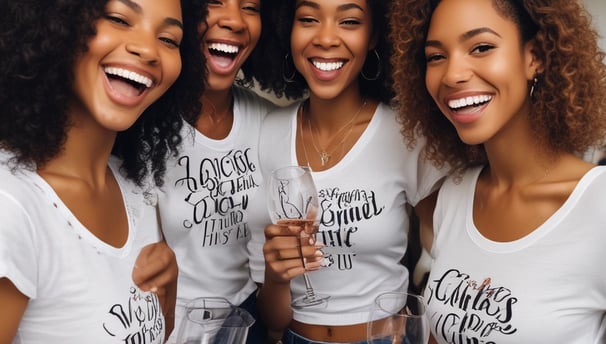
pixel 213 320
pixel 398 318
pixel 292 200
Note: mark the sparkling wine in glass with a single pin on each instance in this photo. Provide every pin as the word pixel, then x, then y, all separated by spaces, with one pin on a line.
pixel 398 318
pixel 292 201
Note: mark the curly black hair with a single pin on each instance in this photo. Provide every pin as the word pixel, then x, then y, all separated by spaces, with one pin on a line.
pixel 569 102
pixel 39 42
pixel 278 61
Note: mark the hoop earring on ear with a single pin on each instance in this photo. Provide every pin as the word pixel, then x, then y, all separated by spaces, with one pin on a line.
pixel 289 77
pixel 377 71
pixel 535 81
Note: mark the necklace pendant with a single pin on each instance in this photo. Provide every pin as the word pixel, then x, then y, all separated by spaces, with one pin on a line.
pixel 324 157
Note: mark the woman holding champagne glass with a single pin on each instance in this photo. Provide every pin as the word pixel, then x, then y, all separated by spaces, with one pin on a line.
pixel 335 53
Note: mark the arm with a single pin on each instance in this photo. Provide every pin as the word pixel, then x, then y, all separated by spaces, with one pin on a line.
pixel 282 264
pixel 156 270
pixel 13 306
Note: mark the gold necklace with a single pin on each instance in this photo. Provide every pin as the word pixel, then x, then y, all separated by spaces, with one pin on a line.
pixel 323 152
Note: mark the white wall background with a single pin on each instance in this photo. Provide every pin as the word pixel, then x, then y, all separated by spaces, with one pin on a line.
pixel 597 9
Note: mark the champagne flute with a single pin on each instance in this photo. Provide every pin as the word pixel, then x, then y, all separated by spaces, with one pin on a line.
pixel 398 318
pixel 292 201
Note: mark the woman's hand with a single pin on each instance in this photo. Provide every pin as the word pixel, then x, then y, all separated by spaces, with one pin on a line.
pixel 283 250
pixel 156 270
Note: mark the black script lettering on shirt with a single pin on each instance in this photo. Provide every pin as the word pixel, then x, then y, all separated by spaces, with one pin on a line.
pixel 479 310
pixel 341 213
pixel 218 191
pixel 138 321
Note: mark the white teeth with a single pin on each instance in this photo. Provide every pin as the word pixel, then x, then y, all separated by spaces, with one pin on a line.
pixel 127 74
pixel 327 66
pixel 468 101
pixel 224 48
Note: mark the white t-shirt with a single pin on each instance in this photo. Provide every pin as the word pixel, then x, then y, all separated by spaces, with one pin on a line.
pixel 547 287
pixel 80 289
pixel 205 206
pixel 364 221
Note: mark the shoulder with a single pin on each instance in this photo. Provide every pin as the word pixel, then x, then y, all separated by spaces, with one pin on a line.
pixel 457 183
pixel 283 114
pixel 251 101
pixel 23 198
pixel 14 179
pixel 132 191
pixel 593 182
pixel 386 116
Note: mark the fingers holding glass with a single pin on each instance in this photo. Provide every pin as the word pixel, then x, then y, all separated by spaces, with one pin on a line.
pixel 293 205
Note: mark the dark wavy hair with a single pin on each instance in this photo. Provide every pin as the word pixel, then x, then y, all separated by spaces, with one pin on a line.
pixel 277 54
pixel 569 102
pixel 39 42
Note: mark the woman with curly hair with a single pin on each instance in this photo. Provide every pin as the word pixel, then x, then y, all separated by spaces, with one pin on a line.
pixel 200 197
pixel 91 99
pixel 336 54
pixel 510 93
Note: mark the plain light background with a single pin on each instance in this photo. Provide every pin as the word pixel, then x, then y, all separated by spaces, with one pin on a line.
pixel 597 9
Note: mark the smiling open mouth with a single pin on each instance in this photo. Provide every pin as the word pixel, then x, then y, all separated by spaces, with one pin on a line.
pixel 223 54
pixel 127 82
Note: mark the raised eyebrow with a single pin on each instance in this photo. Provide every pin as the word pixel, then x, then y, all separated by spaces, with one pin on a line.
pixel 137 8
pixel 464 37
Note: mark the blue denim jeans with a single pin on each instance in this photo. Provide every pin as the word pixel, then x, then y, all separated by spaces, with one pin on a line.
pixel 292 338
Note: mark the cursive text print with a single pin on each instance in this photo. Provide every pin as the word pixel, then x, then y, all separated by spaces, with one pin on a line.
pixel 342 213
pixel 138 321
pixel 217 192
pixel 478 312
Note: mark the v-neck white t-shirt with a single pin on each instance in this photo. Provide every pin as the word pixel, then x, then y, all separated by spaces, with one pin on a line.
pixel 364 222
pixel 80 289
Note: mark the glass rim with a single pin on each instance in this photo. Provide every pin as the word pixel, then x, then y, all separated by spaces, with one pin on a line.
pixel 420 299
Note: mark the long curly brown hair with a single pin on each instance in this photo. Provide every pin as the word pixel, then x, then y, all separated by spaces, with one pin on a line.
pixel 569 104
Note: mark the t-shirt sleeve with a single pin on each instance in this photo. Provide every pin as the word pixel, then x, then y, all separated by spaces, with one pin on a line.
pixel 252 103
pixel 429 177
pixel 18 261
pixel 438 216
